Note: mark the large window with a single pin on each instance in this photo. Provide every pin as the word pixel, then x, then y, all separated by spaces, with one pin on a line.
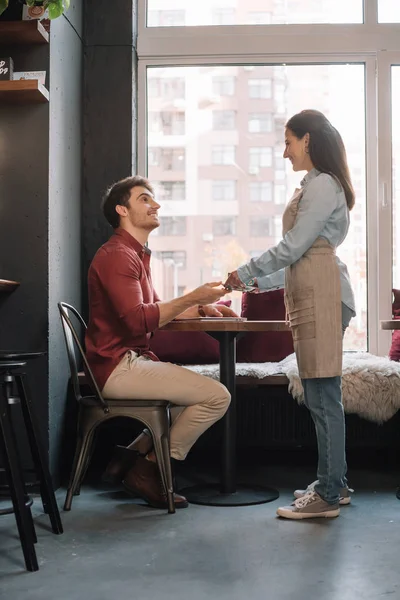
pixel 396 173
pixel 239 12
pixel 223 77
pixel 258 177
pixel 389 11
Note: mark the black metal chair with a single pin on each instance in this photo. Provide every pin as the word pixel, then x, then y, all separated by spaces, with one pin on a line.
pixel 12 376
pixel 95 410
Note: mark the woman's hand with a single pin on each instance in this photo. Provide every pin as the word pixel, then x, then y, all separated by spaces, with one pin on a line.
pixel 234 282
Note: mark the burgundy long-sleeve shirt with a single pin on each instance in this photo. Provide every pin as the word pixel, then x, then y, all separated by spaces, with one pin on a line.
pixel 122 302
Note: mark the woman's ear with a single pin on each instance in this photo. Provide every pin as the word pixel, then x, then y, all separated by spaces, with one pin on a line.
pixel 306 139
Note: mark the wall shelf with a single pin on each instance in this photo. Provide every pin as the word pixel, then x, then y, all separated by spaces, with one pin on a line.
pixel 22 32
pixel 7 286
pixel 23 91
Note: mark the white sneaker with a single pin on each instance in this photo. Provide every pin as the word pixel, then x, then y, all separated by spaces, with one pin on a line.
pixel 345 497
pixel 310 506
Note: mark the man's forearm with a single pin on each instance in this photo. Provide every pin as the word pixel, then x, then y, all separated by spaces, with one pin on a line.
pixel 173 308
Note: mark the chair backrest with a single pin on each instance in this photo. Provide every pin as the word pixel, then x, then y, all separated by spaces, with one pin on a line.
pixel 72 342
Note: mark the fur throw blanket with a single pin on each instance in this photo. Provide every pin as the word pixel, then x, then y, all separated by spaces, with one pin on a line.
pixel 371 384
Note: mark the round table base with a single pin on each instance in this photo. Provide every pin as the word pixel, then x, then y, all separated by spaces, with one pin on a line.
pixel 245 495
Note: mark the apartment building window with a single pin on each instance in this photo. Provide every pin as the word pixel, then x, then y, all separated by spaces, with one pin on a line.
pixel 259 18
pixel 224 85
pixel 223 226
pixel 260 156
pixel 223 155
pixel 165 18
pixel 223 16
pixel 224 120
pixel 261 191
pixel 260 88
pixel 167 122
pixel 166 88
pixel 224 190
pixel 261 226
pixel 172 226
pixel 168 159
pixel 279 163
pixel 280 97
pixel 260 122
pixel 172 257
pixel 171 190
pixel 280 194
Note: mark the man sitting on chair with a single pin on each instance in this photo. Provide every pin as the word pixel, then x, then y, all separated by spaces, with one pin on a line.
pixel 124 311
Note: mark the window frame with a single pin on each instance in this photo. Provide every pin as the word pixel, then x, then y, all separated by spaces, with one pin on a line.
pixel 371 43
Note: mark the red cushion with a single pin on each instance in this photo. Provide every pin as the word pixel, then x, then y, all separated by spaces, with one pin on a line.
pixel 269 346
pixel 394 352
pixel 188 348
pixel 396 302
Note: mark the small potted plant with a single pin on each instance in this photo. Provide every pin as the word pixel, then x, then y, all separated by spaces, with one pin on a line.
pixel 36 8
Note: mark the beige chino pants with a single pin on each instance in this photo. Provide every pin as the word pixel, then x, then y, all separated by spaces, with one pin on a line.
pixel 199 401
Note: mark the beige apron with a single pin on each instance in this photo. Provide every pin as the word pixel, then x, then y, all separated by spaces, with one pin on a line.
pixel 313 304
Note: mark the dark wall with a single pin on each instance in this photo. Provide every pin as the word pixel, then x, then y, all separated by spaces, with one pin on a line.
pixel 40 192
pixel 65 184
pixel 24 152
pixel 109 111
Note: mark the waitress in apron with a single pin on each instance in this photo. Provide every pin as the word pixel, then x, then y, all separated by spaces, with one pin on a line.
pixel 318 296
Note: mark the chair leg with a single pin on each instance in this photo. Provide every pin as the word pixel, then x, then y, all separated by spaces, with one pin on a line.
pixel 39 456
pixel 23 515
pixel 160 432
pixel 85 441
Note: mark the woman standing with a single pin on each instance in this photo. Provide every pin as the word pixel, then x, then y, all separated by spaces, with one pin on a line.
pixel 318 296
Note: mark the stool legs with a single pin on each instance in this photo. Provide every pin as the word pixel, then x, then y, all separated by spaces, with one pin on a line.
pixel 23 515
pixel 39 456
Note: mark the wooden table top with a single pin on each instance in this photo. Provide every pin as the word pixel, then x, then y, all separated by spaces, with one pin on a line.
pixel 392 324
pixel 221 324
pixel 7 286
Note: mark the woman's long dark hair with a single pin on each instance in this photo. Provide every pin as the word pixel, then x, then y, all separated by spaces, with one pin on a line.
pixel 326 148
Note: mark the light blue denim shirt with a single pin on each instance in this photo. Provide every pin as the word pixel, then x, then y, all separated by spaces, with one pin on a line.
pixel 323 213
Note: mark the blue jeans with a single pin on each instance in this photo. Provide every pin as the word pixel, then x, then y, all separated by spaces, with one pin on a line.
pixel 323 398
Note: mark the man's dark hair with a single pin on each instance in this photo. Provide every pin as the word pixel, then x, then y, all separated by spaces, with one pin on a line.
pixel 119 194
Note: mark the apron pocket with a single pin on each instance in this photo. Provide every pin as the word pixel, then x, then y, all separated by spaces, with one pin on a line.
pixel 301 314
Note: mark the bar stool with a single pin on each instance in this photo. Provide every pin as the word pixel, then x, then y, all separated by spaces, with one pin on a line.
pixel 12 376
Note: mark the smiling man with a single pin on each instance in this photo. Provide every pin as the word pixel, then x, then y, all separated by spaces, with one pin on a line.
pixel 124 312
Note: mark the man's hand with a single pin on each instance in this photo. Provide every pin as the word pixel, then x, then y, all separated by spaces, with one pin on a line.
pixel 208 293
pixel 218 310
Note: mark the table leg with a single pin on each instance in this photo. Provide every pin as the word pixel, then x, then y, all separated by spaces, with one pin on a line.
pixel 228 492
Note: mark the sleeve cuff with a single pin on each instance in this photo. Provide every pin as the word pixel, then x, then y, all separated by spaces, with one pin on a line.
pixel 151 316
pixel 244 274
pixel 276 281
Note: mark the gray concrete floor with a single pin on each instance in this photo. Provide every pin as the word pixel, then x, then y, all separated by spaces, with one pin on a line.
pixel 113 547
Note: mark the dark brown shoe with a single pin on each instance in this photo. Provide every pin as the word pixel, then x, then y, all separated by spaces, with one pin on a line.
pixel 144 480
pixel 122 460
